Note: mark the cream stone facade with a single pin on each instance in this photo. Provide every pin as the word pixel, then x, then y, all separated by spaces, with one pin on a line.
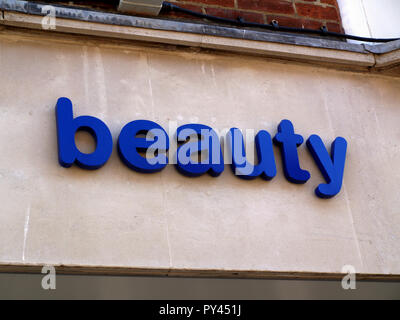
pixel 115 220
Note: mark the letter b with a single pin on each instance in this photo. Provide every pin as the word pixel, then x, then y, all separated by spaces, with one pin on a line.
pixel 67 126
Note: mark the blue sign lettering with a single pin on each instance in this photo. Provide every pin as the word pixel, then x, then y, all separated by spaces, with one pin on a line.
pixel 129 146
pixel 332 168
pixel 288 142
pixel 143 144
pixel 67 126
pixel 206 142
pixel 265 168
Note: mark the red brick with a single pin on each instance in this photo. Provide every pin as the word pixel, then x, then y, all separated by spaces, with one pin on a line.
pixel 295 22
pixel 273 6
pixel 222 3
pixel 173 14
pixel 285 21
pixel 311 24
pixel 317 11
pixel 334 27
pixel 234 14
pixel 194 7
pixel 332 2
pixel 311 14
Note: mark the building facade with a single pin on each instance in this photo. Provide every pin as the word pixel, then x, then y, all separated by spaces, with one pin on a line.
pixel 173 70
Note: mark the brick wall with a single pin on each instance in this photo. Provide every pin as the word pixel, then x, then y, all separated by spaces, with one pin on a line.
pixel 312 14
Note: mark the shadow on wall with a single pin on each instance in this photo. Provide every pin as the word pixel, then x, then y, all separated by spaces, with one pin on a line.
pixel 28 286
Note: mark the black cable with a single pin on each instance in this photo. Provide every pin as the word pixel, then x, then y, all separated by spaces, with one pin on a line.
pixel 167 6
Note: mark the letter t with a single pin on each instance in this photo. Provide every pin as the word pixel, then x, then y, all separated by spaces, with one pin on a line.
pixel 288 142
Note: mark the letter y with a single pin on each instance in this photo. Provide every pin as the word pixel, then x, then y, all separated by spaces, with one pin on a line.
pixel 331 167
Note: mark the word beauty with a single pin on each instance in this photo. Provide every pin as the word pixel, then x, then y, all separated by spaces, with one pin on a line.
pixel 144 136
